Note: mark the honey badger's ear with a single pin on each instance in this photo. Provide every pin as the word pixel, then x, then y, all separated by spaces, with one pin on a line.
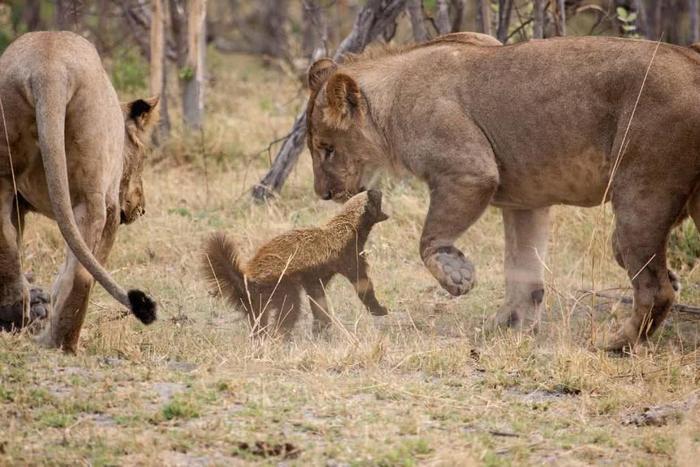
pixel 143 112
pixel 319 73
pixel 345 101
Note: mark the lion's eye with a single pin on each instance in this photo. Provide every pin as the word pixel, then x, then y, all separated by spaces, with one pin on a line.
pixel 328 152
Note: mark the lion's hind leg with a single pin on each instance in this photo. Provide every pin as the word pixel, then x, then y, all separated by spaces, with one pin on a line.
pixel 641 232
pixel 14 293
pixel 71 290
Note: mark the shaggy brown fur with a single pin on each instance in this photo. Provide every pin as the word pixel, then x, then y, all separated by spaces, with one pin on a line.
pixel 271 282
pixel 471 122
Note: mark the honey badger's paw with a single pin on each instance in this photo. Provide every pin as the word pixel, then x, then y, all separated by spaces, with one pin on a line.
pixel 378 310
pixel 452 269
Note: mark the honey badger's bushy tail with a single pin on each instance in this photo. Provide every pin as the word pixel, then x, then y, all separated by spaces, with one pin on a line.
pixel 223 269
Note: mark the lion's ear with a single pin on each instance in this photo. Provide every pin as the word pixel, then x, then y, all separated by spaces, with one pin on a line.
pixel 319 73
pixel 345 101
pixel 143 112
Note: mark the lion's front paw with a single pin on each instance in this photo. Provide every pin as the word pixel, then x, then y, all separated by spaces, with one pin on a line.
pixel 40 304
pixel 453 270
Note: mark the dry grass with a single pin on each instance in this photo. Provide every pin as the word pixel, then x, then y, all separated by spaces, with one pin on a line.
pixel 426 386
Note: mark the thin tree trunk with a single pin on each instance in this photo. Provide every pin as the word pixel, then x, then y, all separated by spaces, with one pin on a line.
pixel 193 77
pixel 538 19
pixel 315 29
pixel 68 14
pixel 275 18
pixel 157 81
pixel 371 21
pixel 317 26
pixel 642 23
pixel 654 21
pixel 458 20
pixel 504 10
pixel 483 16
pixel 31 16
pixel 178 23
pixel 561 6
pixel 694 25
pixel 442 20
pixel 415 12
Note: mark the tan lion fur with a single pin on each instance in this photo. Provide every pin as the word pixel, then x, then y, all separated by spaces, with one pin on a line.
pixel 522 127
pixel 76 156
pixel 270 283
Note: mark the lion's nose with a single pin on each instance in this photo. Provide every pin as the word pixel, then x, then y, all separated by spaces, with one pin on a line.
pixel 327 195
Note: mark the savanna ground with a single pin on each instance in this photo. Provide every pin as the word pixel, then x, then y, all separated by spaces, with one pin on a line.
pixel 426 386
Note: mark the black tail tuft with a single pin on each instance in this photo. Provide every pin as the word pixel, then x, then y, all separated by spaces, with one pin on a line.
pixel 142 306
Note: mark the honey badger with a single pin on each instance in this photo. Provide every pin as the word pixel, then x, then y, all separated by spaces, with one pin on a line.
pixel 271 282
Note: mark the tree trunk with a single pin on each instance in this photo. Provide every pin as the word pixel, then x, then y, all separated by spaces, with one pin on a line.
pixel 538 19
pixel 642 23
pixel 315 30
pixel 415 12
pixel 442 20
pixel 694 25
pixel 504 10
pixel 458 19
pixel 193 74
pixel 178 23
pixel 371 21
pixel 561 6
pixel 483 16
pixel 31 15
pixel 275 19
pixel 158 75
pixel 68 14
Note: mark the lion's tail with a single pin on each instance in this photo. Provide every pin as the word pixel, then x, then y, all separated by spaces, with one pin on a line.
pixel 52 97
pixel 223 269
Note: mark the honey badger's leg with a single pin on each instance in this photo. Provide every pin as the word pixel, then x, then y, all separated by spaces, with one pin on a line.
pixel 526 234
pixel 316 290
pixel 14 294
pixel 357 274
pixel 288 305
pixel 71 290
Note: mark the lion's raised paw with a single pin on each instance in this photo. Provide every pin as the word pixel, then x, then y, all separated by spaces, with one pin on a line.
pixel 453 270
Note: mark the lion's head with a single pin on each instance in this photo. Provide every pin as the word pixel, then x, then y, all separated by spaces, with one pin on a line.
pixel 341 136
pixel 140 116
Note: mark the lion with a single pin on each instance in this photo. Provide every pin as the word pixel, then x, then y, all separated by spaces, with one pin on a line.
pixel 272 280
pixel 522 127
pixel 71 152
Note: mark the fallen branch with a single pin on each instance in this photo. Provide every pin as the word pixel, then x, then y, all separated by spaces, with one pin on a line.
pixel 677 307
